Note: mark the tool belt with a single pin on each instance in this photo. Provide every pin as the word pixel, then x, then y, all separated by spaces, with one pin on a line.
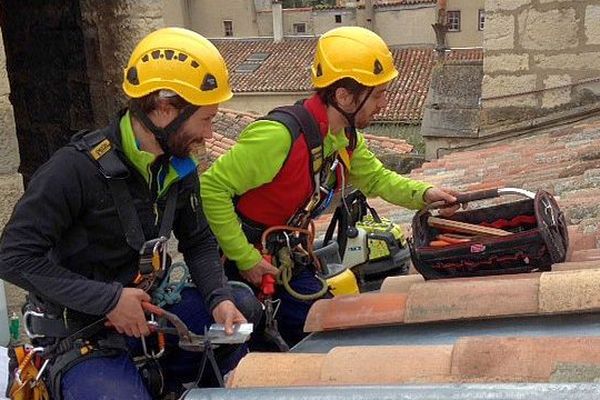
pixel 513 237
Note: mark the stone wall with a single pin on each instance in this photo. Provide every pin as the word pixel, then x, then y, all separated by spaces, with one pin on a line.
pixel 541 57
pixel 11 184
pixel 451 111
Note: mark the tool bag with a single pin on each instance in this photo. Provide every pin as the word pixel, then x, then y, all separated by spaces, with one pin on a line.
pixel 535 237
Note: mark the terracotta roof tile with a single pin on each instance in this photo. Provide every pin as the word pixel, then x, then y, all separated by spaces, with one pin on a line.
pixel 362 365
pixel 472 298
pixel 277 369
pixel 371 309
pixel 228 124
pixel 464 298
pixel 520 359
pixel 484 359
pixel 569 291
pixel 287 69
pixel 400 284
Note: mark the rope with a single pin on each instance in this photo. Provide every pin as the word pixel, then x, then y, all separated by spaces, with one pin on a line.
pixel 285 276
pixel 168 292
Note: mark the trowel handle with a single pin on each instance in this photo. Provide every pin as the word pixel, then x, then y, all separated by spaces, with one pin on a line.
pixel 477 195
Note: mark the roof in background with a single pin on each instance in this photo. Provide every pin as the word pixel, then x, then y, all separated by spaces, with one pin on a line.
pixel 228 124
pixel 385 3
pixel 287 69
pixel 536 327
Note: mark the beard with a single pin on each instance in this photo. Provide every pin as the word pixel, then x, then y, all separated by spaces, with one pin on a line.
pixel 182 143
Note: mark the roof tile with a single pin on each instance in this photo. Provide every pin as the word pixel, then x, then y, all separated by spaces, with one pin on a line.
pixel 400 284
pixel 520 359
pixel 472 298
pixel 469 359
pixel 277 369
pixel 381 365
pixel 228 124
pixel 368 309
pixel 287 69
pixel 565 291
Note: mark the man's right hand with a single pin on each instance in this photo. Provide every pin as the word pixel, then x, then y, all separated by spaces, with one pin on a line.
pixel 254 275
pixel 128 316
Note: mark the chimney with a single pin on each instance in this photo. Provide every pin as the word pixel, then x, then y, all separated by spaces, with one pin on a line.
pixel 440 28
pixel 277 9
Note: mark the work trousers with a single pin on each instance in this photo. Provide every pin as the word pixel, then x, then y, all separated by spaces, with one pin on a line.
pixel 291 314
pixel 117 377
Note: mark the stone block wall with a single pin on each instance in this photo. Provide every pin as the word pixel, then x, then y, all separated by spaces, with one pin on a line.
pixel 541 56
pixel 451 111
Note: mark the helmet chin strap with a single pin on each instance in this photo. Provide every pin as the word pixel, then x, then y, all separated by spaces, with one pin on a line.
pixel 162 134
pixel 350 130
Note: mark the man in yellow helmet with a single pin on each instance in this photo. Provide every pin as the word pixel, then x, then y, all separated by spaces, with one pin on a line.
pixel 278 176
pixel 88 237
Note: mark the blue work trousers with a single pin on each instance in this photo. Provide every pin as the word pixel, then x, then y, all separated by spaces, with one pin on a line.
pixel 118 378
pixel 291 314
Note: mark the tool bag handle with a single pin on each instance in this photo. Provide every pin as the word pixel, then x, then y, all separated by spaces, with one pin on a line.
pixel 484 194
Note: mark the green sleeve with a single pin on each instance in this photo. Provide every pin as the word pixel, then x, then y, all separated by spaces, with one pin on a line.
pixel 369 175
pixel 253 161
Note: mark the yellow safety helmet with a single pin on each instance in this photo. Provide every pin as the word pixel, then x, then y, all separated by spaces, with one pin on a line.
pixel 181 61
pixel 352 52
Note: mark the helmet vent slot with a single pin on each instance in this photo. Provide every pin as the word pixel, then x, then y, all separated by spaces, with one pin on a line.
pixel 209 83
pixel 377 67
pixel 132 76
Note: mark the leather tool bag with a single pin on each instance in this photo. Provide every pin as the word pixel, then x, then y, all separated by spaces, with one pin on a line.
pixel 535 237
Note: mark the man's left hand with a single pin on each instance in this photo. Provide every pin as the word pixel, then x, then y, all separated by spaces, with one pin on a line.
pixel 227 314
pixel 436 194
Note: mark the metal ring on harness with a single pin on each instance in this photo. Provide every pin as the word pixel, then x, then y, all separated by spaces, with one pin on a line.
pixel 287 265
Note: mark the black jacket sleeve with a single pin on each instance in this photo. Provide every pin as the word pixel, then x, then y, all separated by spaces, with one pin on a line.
pixel 200 251
pixel 52 202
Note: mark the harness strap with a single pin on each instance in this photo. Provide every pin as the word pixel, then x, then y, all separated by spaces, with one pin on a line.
pixel 298 120
pixel 99 148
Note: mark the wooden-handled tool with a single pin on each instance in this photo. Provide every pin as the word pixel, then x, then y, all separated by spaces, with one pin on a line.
pixel 457 226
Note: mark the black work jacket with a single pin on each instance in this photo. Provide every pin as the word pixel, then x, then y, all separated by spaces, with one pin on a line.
pixel 65 243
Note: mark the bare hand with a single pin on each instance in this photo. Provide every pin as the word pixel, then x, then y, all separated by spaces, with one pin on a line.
pixel 447 195
pixel 128 316
pixel 226 313
pixel 254 275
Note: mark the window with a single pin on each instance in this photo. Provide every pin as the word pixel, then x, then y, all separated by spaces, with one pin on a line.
pixel 453 21
pixel 481 19
pixel 300 28
pixel 228 27
pixel 338 18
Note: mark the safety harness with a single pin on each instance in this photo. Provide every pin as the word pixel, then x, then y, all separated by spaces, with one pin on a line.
pixel 289 247
pixel 66 338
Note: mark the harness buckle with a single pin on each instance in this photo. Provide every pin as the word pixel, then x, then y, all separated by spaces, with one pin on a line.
pixel 26 320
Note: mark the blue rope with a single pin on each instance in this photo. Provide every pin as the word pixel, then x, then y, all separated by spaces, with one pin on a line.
pixel 169 293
